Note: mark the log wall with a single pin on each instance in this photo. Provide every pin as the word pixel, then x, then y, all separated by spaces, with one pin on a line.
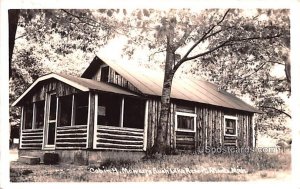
pixel 71 137
pixel 154 107
pixel 117 79
pixel 209 128
pixel 119 138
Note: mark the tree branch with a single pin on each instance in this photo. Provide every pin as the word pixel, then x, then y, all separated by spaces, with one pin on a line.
pixel 20 36
pixel 156 52
pixel 79 18
pixel 204 36
pixel 278 110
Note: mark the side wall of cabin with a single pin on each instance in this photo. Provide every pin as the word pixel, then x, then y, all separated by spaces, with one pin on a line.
pixel 209 127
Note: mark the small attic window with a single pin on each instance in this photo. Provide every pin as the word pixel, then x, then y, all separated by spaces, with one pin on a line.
pixel 104 74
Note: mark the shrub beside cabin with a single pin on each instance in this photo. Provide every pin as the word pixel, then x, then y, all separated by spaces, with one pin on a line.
pixel 115 107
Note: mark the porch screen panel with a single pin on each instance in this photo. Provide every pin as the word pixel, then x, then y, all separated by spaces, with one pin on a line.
pixel 52 114
pixel 65 110
pixel 81 110
pixel 51 134
pixel 28 116
pixel 109 110
pixel 39 121
pixel 134 110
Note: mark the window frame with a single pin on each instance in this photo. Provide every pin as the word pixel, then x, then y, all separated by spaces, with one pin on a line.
pixel 194 115
pixel 236 125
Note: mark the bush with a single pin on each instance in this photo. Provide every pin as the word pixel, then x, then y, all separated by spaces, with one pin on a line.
pixel 51 158
pixel 116 163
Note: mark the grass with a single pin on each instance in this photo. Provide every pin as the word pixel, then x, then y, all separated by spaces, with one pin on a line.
pixel 239 167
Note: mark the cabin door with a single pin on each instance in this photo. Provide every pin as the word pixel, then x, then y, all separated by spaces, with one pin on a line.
pixel 51 121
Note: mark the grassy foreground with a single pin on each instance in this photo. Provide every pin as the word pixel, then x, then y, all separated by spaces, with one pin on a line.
pixel 236 167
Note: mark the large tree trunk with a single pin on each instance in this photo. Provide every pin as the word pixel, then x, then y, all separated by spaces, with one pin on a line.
pixel 13 18
pixel 288 73
pixel 161 145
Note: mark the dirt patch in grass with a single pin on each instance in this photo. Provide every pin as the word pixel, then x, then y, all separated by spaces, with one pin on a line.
pixel 252 166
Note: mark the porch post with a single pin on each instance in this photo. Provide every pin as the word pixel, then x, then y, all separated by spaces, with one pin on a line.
pixel 95 122
pixel 90 122
pixel 122 113
pixel 21 127
pixel 145 127
pixel 253 133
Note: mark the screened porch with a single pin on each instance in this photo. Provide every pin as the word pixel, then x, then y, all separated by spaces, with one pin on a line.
pixel 101 120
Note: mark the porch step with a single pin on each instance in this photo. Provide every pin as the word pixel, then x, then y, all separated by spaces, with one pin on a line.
pixel 31 160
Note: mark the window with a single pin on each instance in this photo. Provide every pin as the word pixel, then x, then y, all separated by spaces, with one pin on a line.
pixel 104 74
pixel 185 122
pixel 39 114
pixel 134 110
pixel 230 124
pixel 109 109
pixel 28 114
pixel 66 110
pixel 81 108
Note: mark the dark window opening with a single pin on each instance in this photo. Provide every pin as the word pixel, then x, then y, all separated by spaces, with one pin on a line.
pixel 104 74
pixel 230 127
pixel 81 108
pixel 51 134
pixel 185 122
pixel 28 113
pixel 39 114
pixel 134 113
pixel 109 109
pixel 65 110
pixel 52 113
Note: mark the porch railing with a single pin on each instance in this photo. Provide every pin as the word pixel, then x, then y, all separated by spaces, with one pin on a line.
pixel 71 137
pixel 31 139
pixel 117 138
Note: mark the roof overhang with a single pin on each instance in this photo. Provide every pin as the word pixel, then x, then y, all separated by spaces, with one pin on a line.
pixel 49 76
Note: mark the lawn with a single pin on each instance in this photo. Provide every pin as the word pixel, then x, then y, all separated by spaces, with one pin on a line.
pixel 217 167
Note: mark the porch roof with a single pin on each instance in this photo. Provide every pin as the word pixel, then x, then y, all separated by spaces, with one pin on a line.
pixel 185 88
pixel 81 84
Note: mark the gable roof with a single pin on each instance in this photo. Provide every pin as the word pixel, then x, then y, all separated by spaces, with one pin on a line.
pixel 81 84
pixel 190 89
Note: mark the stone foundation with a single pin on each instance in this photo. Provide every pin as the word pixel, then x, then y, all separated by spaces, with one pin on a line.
pixel 83 157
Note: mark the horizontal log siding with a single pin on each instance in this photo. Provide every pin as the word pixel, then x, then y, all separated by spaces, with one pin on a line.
pixel 117 138
pixel 71 137
pixel 31 139
pixel 185 140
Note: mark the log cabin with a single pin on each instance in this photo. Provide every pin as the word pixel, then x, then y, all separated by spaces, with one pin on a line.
pixel 115 107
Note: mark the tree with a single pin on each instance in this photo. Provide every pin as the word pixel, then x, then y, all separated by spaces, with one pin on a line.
pixel 206 37
pixel 42 41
